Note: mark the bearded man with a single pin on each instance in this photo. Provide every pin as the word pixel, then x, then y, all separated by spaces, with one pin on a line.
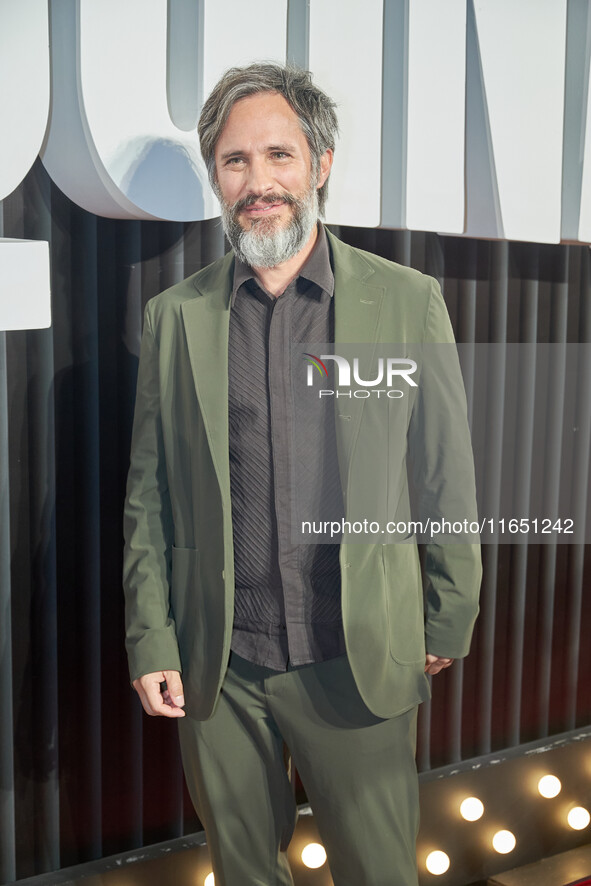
pixel 320 646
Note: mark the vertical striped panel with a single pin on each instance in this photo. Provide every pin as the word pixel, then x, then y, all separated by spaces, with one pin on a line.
pixel 43 661
pixel 576 565
pixel 86 390
pixel 466 335
pixel 552 471
pixel 521 500
pixel 130 292
pixel 491 488
pixel 7 799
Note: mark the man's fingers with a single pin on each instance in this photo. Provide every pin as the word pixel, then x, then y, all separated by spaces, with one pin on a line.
pixel 435 663
pixel 174 689
pixel 158 701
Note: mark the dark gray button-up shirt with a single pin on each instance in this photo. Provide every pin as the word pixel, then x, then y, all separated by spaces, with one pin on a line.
pixel 287 596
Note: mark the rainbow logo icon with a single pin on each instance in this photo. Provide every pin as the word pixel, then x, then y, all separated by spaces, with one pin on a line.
pixel 317 362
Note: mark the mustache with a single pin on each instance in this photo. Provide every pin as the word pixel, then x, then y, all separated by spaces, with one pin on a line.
pixel 245 202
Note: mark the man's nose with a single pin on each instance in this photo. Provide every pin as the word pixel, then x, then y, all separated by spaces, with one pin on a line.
pixel 260 179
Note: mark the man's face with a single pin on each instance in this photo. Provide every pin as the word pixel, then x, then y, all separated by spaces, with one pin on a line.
pixel 265 180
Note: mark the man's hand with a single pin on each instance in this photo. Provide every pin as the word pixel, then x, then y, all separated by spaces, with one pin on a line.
pixel 434 664
pixel 161 700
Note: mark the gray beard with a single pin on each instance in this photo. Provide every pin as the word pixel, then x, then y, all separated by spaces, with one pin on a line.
pixel 263 246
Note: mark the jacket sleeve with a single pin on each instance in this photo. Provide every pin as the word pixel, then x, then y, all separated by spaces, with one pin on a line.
pixel 148 528
pixel 443 471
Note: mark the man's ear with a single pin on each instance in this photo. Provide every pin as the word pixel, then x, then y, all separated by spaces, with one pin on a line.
pixel 325 166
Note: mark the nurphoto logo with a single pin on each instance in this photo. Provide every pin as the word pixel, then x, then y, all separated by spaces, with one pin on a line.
pixel 388 371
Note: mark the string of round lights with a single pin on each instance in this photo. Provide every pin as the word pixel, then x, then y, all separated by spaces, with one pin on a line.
pixel 504 841
pixel 471 809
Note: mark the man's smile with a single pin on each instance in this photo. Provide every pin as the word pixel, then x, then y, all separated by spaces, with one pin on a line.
pixel 262 208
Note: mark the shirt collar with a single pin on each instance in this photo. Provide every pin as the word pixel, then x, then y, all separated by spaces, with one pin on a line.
pixel 317 268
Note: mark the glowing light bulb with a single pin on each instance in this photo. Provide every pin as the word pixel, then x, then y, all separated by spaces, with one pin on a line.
pixel 504 842
pixel 437 862
pixel 471 809
pixel 209 880
pixel 578 818
pixel 549 786
pixel 313 855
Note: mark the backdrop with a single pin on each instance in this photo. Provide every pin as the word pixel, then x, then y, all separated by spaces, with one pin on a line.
pixel 82 772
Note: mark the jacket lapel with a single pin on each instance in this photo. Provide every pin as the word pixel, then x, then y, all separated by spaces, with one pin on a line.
pixel 358 303
pixel 206 319
pixel 358 306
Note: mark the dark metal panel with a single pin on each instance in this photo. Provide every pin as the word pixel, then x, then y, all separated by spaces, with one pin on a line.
pixel 552 472
pixel 130 292
pixel 465 333
pixel 521 500
pixel 492 485
pixel 84 375
pixel 7 811
pixel 118 329
pixel 43 653
pixel 576 564
pixel 7 789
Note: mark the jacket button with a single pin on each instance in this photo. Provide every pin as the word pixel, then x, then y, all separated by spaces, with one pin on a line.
pixel 223 573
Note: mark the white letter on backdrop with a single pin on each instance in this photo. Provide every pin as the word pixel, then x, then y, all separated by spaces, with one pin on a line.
pixel 346 58
pixel 24 96
pixel 522 53
pixel 436 116
pixel 113 147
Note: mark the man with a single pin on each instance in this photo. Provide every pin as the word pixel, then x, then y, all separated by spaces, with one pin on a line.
pixel 322 646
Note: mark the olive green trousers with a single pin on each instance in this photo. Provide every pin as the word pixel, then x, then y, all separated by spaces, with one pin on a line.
pixel 358 771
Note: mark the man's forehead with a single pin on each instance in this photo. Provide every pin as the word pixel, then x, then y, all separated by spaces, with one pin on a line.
pixel 268 99
pixel 266 113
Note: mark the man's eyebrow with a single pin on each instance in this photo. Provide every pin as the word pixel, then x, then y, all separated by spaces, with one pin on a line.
pixel 236 152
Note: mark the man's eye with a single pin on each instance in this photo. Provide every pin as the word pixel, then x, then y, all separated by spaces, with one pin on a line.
pixel 233 161
pixel 280 155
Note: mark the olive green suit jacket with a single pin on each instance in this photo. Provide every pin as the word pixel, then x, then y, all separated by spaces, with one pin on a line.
pixel 178 561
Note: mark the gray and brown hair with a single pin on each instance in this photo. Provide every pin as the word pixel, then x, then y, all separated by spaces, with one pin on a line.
pixel 315 110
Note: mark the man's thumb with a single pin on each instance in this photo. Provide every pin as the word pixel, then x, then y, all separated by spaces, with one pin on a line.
pixel 174 684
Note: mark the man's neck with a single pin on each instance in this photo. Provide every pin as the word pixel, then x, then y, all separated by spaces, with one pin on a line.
pixel 276 280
